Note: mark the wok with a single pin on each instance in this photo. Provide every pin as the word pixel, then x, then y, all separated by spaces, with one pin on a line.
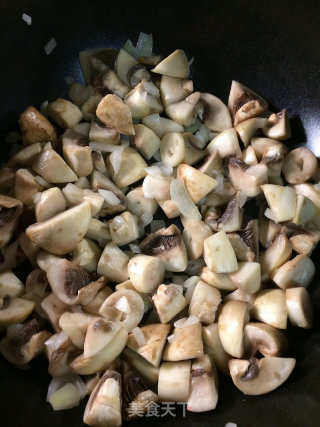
pixel 271 46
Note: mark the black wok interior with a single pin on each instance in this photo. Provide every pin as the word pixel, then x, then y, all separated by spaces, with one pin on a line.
pixel 271 46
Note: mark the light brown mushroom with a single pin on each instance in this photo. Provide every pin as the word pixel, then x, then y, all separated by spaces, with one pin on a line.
pixel 115 114
pixel 113 264
pixel 101 133
pixel 64 113
pixel 77 152
pixel 270 307
pixel 226 143
pixel 216 114
pixel 10 211
pixel 174 89
pixel 147 371
pixel 145 141
pixel 143 100
pixel 299 306
pixel 204 302
pixel 146 272
pixel 24 157
pixel 219 255
pixel 278 126
pixel 35 127
pixel 213 347
pixel 297 272
pixel 168 301
pixel 197 183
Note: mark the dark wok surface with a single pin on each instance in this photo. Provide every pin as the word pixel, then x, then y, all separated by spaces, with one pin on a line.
pixel 271 46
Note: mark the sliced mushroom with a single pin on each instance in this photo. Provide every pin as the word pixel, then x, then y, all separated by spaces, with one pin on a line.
pixel 204 302
pixel 265 339
pixel 146 141
pixel 77 153
pixel 244 103
pixel 10 285
pixel 126 166
pixel 25 156
pixel 148 372
pixel 113 264
pixel 52 167
pixel 125 306
pixel 100 133
pixel 248 277
pixel 248 128
pixel 104 405
pixel 219 255
pixel 155 338
pixel 242 251
pixel 98 360
pixel 174 65
pixel 161 125
pixel 25 343
pixel 186 342
pixel 61 234
pixel 216 114
pixel 94 306
pixel 143 100
pixel 124 228
pixel 35 127
pixel 115 114
pixel 185 112
pixel 64 113
pixel 168 245
pixel 277 254
pixel 281 201
pixel 174 381
pixel 10 211
pixel 299 306
pixel 278 126
pixel 86 255
pixel 309 191
pixel 204 385
pixel 256 377
pixel 213 347
pixel 14 310
pixel 231 322
pixel 270 307
pixel 220 281
pixel 226 143
pixel 246 178
pixel 297 272
pixel 299 165
pixel 50 203
pixel 174 89
pixel 72 284
pixel 231 219
pixel 139 205
pixel 168 301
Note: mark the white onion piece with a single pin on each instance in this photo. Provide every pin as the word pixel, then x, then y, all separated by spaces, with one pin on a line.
pixel 171 338
pixel 186 321
pixel 105 148
pixel 36 197
pixel 145 219
pixel 110 198
pixel 83 183
pixel 50 46
pixel 27 19
pixel 123 305
pixel 42 182
pixel 181 197
pixel 139 336
pixel 55 341
pixel 157 224
pixel 66 397
pixel 134 248
pixel 269 214
pixel 58 382
pixel 158 169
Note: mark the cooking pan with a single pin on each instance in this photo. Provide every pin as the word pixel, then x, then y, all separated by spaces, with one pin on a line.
pixel 270 46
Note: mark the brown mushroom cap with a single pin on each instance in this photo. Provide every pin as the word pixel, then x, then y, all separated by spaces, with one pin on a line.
pixel 35 127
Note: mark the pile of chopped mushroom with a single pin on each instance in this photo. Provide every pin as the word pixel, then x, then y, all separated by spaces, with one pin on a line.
pixel 133 310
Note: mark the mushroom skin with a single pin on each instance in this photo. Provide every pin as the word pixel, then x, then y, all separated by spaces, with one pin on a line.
pixel 115 114
pixel 10 211
pixel 255 377
pixel 168 301
pixel 35 127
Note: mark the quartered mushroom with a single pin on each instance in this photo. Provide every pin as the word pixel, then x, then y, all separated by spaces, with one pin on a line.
pixel 77 153
pixel 299 165
pixel 86 255
pixel 161 125
pixel 139 205
pixel 186 341
pixel 98 231
pixel 93 306
pixel 231 322
pixel 75 325
pixel 226 143
pixel 204 302
pixel 197 183
pixel 193 151
pixel 213 347
pixel 125 306
pixel 148 372
pixel 51 166
pixel 265 339
pixel 101 133
pixel 113 264
pixel 146 141
pixel 255 377
pixel 244 103
pixel 216 114
pixel 143 100
pixel 35 127
pixel 50 203
pixel 248 277
pixel 61 233
pixel 26 189
pixel 104 405
pixel 276 255
pixel 278 126
pixel 10 285
pixel 174 89
pixel 108 81
pixel 64 113
pixel 219 255
pixel 194 234
pixel 186 111
pixel 72 284
pixel 270 307
pixel 146 272
pixel 248 128
pixel 53 307
pixel 242 250
pixel 273 158
pixel 14 310
pixel 174 65
pixel 297 272
pixel 151 343
pixel 168 301
pixel 174 381
pixel 168 245
pixel 137 397
pixel 247 178
pixel 220 281
pixel 204 385
pixel 10 211
pixel 25 157
pixel 24 343
pixel 299 307
pixel 124 228
pixel 112 112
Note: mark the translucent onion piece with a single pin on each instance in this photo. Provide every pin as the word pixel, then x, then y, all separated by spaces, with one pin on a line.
pixel 58 382
pixel 181 197
pixel 171 338
pixel 186 321
pixel 139 336
pixel 66 397
pixel 110 198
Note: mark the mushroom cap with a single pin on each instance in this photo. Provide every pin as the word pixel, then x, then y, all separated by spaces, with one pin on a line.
pixel 61 234
pixel 260 377
pixel 174 381
pixel 115 114
pixel 299 306
pixel 197 183
pixel 266 339
pixel 35 127
pixel 270 307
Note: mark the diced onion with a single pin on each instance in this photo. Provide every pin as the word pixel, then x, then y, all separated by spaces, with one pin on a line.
pixel 134 248
pixel 269 214
pixel 36 197
pixel 186 321
pixel 110 198
pixel 181 197
pixel 194 266
pixel 191 61
pixel 123 305
pixel 42 182
pixel 139 336
pixel 27 19
pixel 50 46
pixel 171 338
pixel 58 382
